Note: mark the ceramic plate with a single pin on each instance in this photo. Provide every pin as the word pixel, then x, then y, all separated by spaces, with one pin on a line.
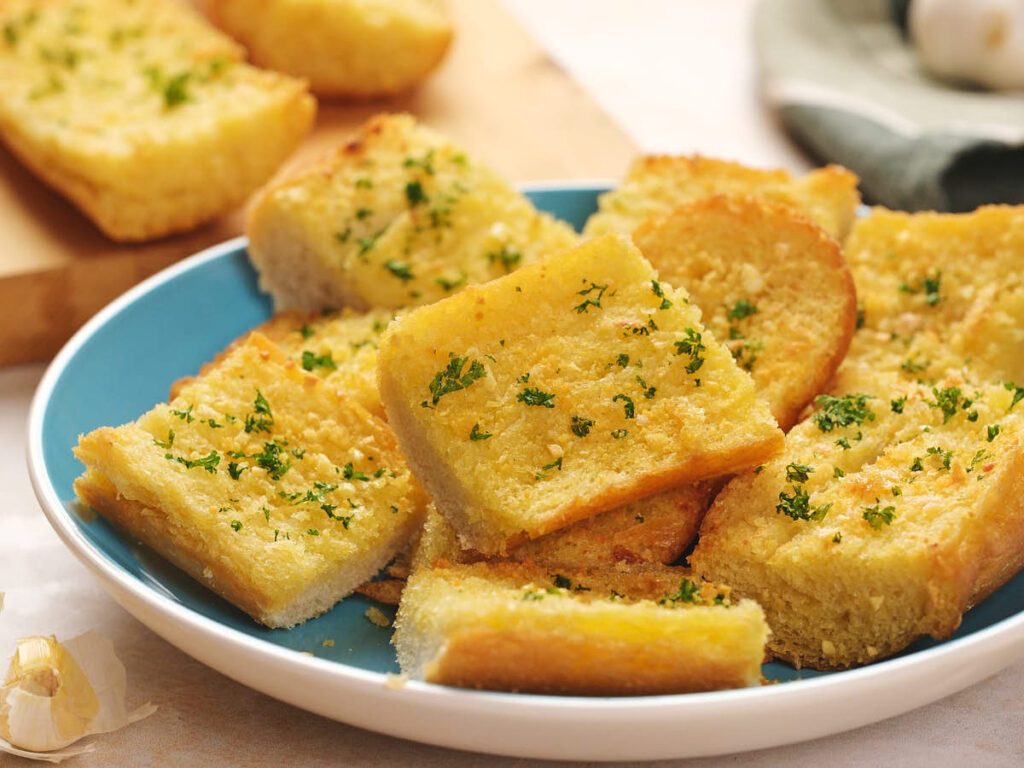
pixel 124 360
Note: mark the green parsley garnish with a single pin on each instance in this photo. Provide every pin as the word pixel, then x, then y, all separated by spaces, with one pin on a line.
pixel 452 379
pixel 648 391
pixel 947 401
pixel 798 473
pixel 842 411
pixel 476 434
pixel 185 415
pixel 450 285
pixel 414 194
pixel 898 404
pixel 691 346
pixel 236 525
pixel 508 257
pixel 627 405
pixel 168 442
pixel 534 396
pixel 993 430
pixel 581 426
pixel 618 434
pixel 656 287
pixel 235 469
pixel 589 300
pixel 270 460
pixel 175 90
pixel 261 419
pixel 877 516
pixel 1018 393
pixel 688 592
pixel 400 269
pixel 350 473
pixel 622 360
pixel 741 310
pixel 311 360
pixel 798 505
pixel 208 462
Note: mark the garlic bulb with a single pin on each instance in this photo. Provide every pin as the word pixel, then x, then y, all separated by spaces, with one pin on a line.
pixel 978 41
pixel 55 694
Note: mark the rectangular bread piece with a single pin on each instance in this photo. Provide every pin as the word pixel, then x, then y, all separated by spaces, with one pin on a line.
pixel 571 387
pixel 141 113
pixel 261 482
pixel 655 184
pixel 398 216
pixel 517 627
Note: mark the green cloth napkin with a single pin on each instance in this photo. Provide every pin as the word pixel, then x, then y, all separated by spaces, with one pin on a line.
pixel 849 88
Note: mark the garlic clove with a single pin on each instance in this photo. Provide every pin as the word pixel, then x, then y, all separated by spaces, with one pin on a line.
pixel 46 701
pixel 56 694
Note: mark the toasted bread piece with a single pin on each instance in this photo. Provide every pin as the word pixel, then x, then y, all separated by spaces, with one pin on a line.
pixel 571 387
pixel 140 113
pixel 398 216
pixel 339 347
pixel 855 552
pixel 939 293
pixel 770 284
pixel 261 482
pixel 656 184
pixel 342 47
pixel 658 530
pixel 517 627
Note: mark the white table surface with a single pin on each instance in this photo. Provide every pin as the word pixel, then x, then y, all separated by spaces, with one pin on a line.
pixel 678 77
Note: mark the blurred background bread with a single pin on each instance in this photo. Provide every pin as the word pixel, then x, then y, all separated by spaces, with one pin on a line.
pixel 357 48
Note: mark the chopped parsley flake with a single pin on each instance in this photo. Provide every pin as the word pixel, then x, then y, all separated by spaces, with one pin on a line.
pixel 261 419
pixel 648 391
pixel 928 285
pixel 168 442
pixel 185 415
pixel 688 592
pixel 979 457
pixel 622 360
pixel 270 460
pixel 798 473
pixel 1018 393
pixel 476 434
pixel 400 269
pixel 877 516
pixel 627 405
pixel 798 505
pixel 175 90
pixel 947 401
pixel 534 396
pixel 508 257
pixel 452 379
pixel 660 293
pixel 590 301
pixel 451 285
pixel 837 473
pixel 842 411
pixel 993 430
pixel 414 194
pixel 208 462
pixel 618 434
pixel 898 404
pixel 691 346
pixel 236 525
pixel 363 213
pixel 350 473
pixel 311 360
pixel 581 426
pixel 741 310
pixel 235 469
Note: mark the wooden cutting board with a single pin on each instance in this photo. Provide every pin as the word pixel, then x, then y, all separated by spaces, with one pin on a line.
pixel 497 94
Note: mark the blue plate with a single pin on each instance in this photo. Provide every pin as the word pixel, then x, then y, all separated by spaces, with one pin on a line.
pixel 124 361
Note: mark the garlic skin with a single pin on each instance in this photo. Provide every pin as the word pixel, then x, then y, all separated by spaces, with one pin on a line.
pixel 46 701
pixel 977 41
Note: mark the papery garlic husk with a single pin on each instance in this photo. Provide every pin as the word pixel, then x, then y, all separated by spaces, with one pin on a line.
pixel 56 694
pixel 46 702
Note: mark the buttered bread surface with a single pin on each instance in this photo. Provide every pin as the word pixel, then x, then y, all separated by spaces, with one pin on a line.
pixel 261 482
pixel 573 386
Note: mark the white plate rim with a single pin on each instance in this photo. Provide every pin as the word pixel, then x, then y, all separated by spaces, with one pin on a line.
pixel 522 725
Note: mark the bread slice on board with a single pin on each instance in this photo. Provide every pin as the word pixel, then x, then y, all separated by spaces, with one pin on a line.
pixel 571 387
pixel 260 482
pixel 141 113
pixel 656 184
pixel 398 216
pixel 517 627
pixel 358 48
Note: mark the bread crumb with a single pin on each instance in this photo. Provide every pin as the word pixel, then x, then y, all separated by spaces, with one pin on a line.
pixel 328 643
pixel 395 682
pixel 376 616
pixel 828 648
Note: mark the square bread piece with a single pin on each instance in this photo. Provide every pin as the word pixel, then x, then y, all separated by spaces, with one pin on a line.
pixel 658 183
pixel 398 216
pixel 572 387
pixel 260 482
pixel 141 113
pixel 517 627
